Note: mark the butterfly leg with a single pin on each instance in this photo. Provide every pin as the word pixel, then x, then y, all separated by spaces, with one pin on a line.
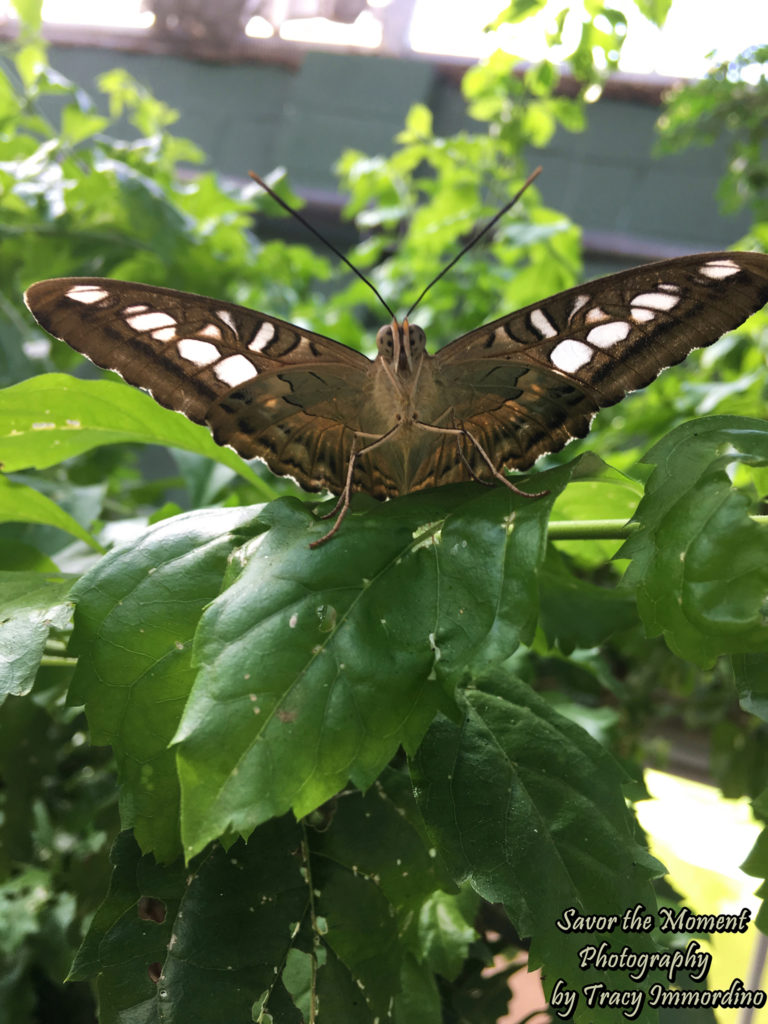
pixel 459 448
pixel 463 432
pixel 341 507
pixel 497 473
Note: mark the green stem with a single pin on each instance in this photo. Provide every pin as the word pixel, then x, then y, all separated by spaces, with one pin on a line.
pixel 590 529
pixel 306 857
pixel 603 529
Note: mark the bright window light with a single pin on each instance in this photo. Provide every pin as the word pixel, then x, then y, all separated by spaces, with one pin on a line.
pixel 364 32
pixel 115 14
pixel 259 28
pixel 692 30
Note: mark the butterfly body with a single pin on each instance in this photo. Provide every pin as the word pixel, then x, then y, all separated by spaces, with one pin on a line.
pixel 498 397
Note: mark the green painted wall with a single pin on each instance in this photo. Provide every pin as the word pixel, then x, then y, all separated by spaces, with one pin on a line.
pixel 303 115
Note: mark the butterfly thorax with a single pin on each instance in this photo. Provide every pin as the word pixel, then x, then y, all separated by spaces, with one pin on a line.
pixel 405 402
pixel 401 375
pixel 402 347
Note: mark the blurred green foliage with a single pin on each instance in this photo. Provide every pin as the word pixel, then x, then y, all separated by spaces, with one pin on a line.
pixel 170 622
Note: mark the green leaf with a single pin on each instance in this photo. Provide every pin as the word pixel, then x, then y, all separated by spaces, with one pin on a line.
pixel 50 418
pixel 655 10
pixel 78 125
pixel 22 504
pixel 390 846
pixel 756 865
pixel 418 1001
pixel 700 564
pixel 577 613
pixel 9 101
pixel 31 604
pixel 216 929
pixel 751 679
pixel 361 637
pixel 340 995
pixel 30 13
pixel 418 125
pixel 518 11
pixel 123 940
pixel 30 62
pixel 15 556
pixel 489 557
pixel 136 615
pixel 529 809
pixel 444 934
pixel 372 957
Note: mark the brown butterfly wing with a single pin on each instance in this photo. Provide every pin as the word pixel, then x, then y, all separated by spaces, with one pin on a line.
pixel 528 383
pixel 265 387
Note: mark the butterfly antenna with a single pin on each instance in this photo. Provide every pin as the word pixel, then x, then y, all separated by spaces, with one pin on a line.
pixel 316 233
pixel 473 241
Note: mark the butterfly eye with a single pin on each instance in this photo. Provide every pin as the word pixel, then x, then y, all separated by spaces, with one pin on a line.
pixel 385 342
pixel 418 340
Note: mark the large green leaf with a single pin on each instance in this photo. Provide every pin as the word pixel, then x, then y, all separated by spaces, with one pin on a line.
pixel 309 667
pixel 699 563
pixel 137 612
pixel 216 929
pixel 315 666
pixel 47 419
pixel 528 808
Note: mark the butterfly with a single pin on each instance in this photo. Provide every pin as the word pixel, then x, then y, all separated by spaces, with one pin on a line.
pixel 318 411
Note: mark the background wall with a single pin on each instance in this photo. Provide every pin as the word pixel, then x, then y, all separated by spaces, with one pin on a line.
pixel 302 111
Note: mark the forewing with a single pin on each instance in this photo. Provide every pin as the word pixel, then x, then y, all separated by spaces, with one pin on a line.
pixel 265 387
pixel 528 383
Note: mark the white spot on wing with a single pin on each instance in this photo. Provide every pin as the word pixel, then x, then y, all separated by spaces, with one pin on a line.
pixel 210 331
pixel 226 316
pixel 656 300
pixel 130 310
pixel 594 315
pixel 642 316
pixel 665 287
pixel 608 334
pixel 718 270
pixel 151 321
pixel 570 355
pixel 262 337
pixel 235 370
pixel 87 293
pixel 578 303
pixel 541 323
pixel 202 353
pixel 164 334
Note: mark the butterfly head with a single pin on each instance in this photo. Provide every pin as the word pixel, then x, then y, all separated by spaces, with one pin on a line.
pixel 402 346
